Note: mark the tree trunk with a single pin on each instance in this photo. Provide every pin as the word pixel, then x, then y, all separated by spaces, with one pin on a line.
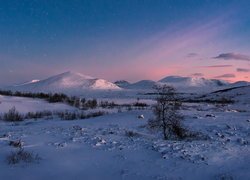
pixel 164 132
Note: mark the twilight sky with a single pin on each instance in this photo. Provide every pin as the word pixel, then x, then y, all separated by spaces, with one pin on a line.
pixel 124 39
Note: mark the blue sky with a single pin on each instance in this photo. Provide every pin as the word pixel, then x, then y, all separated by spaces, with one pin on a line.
pixel 124 39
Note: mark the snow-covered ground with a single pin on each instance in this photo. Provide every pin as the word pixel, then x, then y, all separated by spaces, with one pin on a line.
pixel 25 105
pixel 239 94
pixel 119 146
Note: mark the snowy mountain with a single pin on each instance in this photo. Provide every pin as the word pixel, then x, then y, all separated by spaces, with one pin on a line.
pixel 194 84
pixel 192 81
pixel 66 82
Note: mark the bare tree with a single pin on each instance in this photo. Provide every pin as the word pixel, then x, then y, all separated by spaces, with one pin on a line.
pixel 167 117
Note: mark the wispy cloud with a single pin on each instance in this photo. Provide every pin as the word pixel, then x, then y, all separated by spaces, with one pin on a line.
pixel 217 66
pixel 242 70
pixel 233 56
pixel 226 76
pixel 190 55
pixel 197 74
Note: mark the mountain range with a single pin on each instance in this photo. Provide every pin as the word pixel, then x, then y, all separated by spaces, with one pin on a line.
pixel 76 82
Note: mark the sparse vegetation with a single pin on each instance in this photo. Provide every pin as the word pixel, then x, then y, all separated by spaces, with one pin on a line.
pixel 14 116
pixel 140 104
pixel 77 102
pixel 204 99
pixel 38 115
pixel 107 104
pixel 79 115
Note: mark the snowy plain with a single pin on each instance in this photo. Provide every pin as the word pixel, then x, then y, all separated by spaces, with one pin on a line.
pixel 119 145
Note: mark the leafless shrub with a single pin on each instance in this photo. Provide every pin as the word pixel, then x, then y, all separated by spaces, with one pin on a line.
pixel 12 115
pixel 16 144
pixel 22 156
pixel 130 133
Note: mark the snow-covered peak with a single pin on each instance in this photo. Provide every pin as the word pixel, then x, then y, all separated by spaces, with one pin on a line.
pixel 73 75
pixel 103 84
pixel 67 79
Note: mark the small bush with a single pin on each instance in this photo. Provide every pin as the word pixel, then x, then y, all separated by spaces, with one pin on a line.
pixel 12 115
pixel 91 104
pixel 131 133
pixel 16 144
pixel 179 130
pixel 22 156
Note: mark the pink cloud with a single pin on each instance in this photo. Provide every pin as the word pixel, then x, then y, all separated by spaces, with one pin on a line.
pixel 217 66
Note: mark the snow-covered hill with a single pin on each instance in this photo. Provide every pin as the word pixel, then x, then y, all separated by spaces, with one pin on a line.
pixel 239 94
pixel 122 83
pixel 66 82
pixel 239 84
pixel 194 84
pixel 141 85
